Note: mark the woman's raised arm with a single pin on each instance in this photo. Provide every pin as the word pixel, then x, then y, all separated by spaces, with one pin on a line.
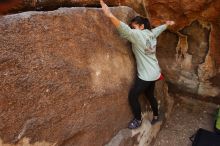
pixel 158 30
pixel 109 14
pixel 124 30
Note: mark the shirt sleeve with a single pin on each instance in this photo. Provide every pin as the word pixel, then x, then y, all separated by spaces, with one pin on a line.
pixel 158 30
pixel 126 32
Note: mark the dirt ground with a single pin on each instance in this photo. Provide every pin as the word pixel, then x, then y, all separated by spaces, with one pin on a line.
pixel 188 116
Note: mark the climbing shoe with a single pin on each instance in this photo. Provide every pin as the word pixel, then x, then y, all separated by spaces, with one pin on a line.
pixel 155 120
pixel 135 123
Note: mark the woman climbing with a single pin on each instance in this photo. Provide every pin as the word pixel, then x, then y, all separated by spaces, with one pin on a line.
pixel 143 40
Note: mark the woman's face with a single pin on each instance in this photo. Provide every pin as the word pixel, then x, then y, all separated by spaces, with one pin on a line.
pixel 137 26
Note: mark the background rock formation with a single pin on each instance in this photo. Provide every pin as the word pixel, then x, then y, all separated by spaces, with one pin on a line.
pixel 191 58
pixel 65 83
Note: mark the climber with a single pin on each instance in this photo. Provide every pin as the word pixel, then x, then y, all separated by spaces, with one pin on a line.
pixel 143 40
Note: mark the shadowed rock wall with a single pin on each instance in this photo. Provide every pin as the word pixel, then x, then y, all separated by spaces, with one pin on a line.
pixel 65 77
pixel 13 6
pixel 190 59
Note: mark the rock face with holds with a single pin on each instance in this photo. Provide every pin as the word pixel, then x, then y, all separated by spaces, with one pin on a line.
pixel 189 53
pixel 65 77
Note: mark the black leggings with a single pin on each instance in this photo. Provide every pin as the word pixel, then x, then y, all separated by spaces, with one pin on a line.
pixel 148 88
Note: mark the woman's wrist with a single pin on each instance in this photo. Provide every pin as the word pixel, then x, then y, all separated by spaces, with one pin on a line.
pixel 169 23
pixel 110 15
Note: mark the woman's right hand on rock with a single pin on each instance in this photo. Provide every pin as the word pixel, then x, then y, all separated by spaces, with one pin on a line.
pixel 105 9
pixel 170 22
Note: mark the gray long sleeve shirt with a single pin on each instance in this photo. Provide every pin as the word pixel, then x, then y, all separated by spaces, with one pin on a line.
pixel 144 48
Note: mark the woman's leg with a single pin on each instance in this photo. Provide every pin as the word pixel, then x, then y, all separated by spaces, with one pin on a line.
pixel 149 92
pixel 133 98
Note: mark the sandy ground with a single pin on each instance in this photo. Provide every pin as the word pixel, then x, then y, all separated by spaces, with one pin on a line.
pixel 188 116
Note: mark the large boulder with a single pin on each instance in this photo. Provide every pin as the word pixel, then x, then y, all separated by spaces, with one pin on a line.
pixel 65 77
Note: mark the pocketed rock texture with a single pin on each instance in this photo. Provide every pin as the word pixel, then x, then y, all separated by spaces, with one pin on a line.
pixel 65 77
pixel 190 53
pixel 188 63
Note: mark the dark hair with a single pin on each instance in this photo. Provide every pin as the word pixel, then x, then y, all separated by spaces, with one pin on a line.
pixel 141 20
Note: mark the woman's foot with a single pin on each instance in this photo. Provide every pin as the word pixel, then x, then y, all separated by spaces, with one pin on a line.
pixel 155 120
pixel 135 123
